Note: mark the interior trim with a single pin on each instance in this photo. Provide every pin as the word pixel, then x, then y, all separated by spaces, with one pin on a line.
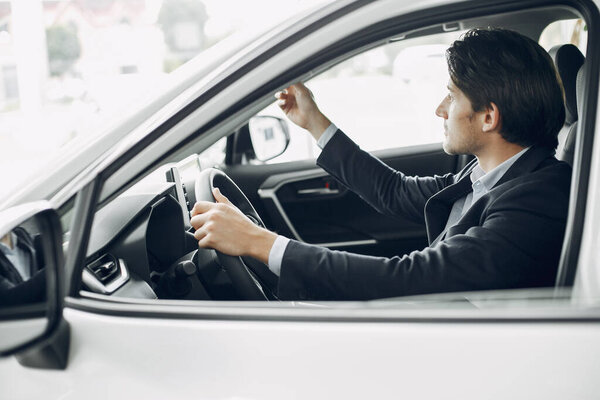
pixel 95 285
pixel 268 191
pixel 332 312
pixel 270 194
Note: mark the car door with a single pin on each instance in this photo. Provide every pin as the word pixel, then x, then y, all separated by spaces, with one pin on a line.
pixel 446 347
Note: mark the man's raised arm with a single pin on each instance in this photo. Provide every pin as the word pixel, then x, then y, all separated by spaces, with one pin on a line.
pixel 299 106
pixel 385 189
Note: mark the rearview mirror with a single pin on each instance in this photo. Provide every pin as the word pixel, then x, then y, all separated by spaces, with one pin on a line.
pixel 270 136
pixel 31 262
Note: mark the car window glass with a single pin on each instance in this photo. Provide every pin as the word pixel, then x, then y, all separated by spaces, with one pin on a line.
pixel 70 71
pixel 214 155
pixel 386 97
pixel 383 98
pixel 572 31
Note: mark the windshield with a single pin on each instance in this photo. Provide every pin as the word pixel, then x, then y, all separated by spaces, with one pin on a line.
pixel 71 69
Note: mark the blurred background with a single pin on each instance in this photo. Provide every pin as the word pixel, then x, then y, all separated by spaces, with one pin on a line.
pixel 69 67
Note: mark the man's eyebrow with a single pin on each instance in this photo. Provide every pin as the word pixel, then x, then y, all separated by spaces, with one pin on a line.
pixel 449 88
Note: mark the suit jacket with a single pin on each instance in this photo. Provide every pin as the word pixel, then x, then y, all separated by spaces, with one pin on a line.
pixel 509 238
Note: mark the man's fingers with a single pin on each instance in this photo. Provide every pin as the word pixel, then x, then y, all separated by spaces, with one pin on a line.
pixel 201 207
pixel 205 243
pixel 199 234
pixel 287 97
pixel 281 95
pixel 220 197
pixel 198 221
pixel 283 99
pixel 283 105
pixel 287 104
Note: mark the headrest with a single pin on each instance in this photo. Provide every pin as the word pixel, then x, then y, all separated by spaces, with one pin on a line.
pixel 568 59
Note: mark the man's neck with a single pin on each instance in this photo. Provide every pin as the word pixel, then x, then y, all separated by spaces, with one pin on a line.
pixel 490 158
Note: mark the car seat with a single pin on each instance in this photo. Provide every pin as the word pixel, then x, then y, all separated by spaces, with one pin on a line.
pixel 569 61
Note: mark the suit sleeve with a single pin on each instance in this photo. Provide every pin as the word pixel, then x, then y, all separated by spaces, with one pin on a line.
pixel 389 191
pixel 516 244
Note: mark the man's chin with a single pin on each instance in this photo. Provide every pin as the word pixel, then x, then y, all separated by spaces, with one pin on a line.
pixel 454 149
pixel 448 149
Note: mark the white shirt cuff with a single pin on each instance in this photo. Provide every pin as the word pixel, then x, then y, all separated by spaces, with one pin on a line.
pixel 326 136
pixel 276 254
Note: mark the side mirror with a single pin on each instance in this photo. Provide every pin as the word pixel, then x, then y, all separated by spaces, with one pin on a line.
pixel 270 136
pixel 31 263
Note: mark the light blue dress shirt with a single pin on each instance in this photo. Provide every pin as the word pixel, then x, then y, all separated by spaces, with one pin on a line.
pixel 482 184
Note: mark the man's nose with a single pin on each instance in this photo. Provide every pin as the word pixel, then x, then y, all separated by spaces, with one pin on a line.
pixel 441 110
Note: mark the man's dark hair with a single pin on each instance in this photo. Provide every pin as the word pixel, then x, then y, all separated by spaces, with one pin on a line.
pixel 516 74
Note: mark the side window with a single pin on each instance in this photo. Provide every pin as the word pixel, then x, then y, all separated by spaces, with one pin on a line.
pixel 214 155
pixel 573 31
pixel 383 98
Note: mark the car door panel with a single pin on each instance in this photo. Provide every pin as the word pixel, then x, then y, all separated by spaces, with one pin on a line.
pixel 307 204
pixel 201 353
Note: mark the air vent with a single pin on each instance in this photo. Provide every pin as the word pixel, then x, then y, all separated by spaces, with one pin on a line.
pixel 105 272
pixel 105 275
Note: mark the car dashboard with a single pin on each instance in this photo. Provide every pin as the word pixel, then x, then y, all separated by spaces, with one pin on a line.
pixel 142 246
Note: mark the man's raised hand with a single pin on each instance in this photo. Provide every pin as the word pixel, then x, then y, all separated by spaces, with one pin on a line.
pixel 299 106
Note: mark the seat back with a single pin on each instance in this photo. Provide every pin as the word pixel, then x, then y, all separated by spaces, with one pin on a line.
pixel 568 61
pixel 568 149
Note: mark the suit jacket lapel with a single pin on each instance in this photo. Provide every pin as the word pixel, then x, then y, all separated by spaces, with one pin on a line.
pixel 438 207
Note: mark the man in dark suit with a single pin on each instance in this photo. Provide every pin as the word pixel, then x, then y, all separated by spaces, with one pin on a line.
pixel 499 223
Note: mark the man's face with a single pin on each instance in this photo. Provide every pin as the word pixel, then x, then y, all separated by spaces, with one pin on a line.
pixel 462 130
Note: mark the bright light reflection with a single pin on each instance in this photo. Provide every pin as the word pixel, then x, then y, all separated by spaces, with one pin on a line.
pixel 90 61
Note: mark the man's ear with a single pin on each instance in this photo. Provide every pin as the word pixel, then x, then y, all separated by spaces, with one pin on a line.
pixel 491 118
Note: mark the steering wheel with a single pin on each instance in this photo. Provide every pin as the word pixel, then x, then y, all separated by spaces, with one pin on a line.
pixel 243 280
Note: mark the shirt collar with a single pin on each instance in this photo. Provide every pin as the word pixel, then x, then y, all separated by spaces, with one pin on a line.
pixel 488 180
pixel 14 239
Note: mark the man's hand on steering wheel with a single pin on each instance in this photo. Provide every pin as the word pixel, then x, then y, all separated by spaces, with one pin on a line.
pixel 223 227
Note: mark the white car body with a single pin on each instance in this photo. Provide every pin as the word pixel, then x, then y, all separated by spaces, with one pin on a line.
pixel 219 350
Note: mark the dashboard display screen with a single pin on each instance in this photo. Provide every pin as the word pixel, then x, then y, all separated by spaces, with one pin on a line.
pixel 173 175
pixel 184 175
pixel 189 169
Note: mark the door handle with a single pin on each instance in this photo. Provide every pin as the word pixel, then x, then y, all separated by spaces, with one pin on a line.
pixel 318 192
